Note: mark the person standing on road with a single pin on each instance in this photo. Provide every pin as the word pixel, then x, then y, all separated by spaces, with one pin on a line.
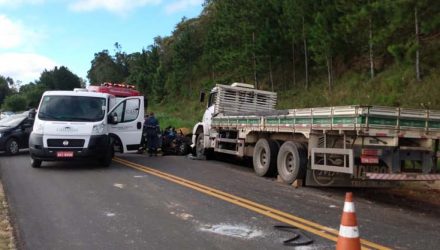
pixel 143 145
pixel 152 126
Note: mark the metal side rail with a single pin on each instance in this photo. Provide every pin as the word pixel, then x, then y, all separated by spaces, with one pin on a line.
pixel 402 176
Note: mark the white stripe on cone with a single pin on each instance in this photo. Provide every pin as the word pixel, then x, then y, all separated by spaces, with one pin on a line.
pixel 349 207
pixel 348 232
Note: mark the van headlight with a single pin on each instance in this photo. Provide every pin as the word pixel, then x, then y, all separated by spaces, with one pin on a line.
pixel 98 129
pixel 38 129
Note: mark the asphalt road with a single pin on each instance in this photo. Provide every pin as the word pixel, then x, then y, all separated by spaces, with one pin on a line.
pixel 172 202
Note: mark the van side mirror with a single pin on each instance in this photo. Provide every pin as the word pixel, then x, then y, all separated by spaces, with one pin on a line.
pixel 113 118
pixel 32 113
pixel 202 96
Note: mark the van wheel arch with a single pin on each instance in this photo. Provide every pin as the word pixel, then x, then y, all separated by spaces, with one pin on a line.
pixel 116 141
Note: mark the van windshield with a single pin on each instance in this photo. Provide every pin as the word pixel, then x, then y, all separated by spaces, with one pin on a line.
pixel 72 108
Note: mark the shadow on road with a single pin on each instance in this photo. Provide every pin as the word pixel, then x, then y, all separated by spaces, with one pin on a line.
pixel 71 166
pixel 418 197
pixel 60 165
pixel 22 152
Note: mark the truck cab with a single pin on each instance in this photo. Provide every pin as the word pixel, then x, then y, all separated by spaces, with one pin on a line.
pixel 200 138
pixel 228 100
pixel 75 125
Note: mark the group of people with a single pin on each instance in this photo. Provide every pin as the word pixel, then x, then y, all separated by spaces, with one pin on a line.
pixel 150 134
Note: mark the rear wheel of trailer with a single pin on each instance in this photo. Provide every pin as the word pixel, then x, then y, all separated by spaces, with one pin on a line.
pixel 291 162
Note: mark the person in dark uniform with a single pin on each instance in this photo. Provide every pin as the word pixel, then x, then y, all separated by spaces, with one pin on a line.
pixel 143 145
pixel 152 127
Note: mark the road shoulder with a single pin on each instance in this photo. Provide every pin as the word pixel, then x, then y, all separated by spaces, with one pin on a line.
pixel 7 240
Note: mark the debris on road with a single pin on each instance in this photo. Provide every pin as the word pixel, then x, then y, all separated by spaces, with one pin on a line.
pixel 238 231
pixel 298 238
pixel 192 157
pixel 109 214
pixel 118 185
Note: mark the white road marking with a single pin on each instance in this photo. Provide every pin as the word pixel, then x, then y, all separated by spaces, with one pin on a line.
pixel 140 176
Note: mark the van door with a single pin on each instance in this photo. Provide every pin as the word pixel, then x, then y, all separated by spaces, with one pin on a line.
pixel 130 116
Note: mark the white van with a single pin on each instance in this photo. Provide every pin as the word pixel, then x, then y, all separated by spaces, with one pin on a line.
pixel 74 125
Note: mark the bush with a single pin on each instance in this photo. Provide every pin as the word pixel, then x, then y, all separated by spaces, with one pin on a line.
pixel 15 103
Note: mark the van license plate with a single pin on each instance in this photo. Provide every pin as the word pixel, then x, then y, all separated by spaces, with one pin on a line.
pixel 64 154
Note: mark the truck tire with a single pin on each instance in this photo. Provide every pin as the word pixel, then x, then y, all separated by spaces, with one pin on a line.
pixel 200 148
pixel 291 162
pixel 12 147
pixel 35 163
pixel 265 157
pixel 201 151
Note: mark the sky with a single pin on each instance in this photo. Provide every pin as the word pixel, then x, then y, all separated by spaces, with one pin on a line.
pixel 40 34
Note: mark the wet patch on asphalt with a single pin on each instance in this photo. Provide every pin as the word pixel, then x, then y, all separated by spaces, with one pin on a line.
pixel 237 231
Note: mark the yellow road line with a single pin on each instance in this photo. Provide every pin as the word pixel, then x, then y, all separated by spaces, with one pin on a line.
pixel 312 227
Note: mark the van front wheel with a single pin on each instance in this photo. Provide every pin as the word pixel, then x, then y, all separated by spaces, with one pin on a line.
pixel 106 161
pixel 36 163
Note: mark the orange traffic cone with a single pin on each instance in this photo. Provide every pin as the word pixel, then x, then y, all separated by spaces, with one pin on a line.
pixel 348 238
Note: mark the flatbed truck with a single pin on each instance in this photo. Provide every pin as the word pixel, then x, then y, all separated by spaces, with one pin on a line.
pixel 362 146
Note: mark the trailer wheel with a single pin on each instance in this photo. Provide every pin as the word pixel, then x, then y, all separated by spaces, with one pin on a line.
pixel 291 162
pixel 265 157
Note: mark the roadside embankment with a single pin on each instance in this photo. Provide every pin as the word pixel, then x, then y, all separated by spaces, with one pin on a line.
pixel 7 240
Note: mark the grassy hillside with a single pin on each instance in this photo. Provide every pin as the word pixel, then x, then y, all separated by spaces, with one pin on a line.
pixel 178 112
pixel 394 87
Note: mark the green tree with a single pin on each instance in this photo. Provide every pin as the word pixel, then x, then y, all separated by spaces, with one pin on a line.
pixel 4 88
pixel 105 68
pixel 59 79
pixel 33 93
pixel 15 103
pixel 159 91
pixel 324 37
pixel 142 69
pixel 186 49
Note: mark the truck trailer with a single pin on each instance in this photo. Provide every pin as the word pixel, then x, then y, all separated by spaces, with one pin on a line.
pixel 362 146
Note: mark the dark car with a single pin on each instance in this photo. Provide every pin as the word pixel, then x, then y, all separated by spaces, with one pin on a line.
pixel 14 132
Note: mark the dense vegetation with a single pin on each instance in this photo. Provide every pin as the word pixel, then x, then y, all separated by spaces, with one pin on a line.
pixel 314 53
